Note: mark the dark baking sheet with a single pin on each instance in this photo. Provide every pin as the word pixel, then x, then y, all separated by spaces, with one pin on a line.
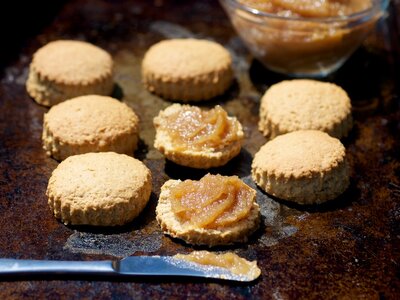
pixel 348 248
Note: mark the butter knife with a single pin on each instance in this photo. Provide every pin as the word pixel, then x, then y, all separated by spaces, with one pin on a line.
pixel 129 266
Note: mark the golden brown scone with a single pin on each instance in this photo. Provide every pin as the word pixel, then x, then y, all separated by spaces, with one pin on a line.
pixel 305 166
pixel 172 225
pixel 89 124
pixel 65 69
pixel 102 189
pixel 303 104
pixel 187 69
pixel 209 155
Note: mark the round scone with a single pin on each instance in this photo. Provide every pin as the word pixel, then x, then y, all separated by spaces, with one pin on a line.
pixel 305 166
pixel 65 69
pixel 103 189
pixel 197 138
pixel 217 210
pixel 187 69
pixel 303 104
pixel 89 124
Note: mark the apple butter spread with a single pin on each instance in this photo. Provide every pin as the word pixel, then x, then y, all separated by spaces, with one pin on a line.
pixel 304 37
pixel 234 263
pixel 214 201
pixel 309 8
pixel 196 129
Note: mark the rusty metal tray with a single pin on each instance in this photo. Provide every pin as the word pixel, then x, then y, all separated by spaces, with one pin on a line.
pixel 348 248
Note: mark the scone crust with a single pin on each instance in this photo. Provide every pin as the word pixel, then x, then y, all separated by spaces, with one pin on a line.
pixel 203 159
pixel 304 166
pixel 89 124
pixel 303 104
pixel 237 233
pixel 187 69
pixel 65 69
pixel 102 189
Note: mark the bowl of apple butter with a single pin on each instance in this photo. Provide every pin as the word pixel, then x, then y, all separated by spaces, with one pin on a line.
pixel 309 38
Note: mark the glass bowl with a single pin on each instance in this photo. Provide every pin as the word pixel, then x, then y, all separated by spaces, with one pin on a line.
pixel 297 46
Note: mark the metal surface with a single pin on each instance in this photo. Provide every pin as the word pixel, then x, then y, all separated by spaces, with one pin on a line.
pixel 348 248
pixel 29 268
pixel 159 266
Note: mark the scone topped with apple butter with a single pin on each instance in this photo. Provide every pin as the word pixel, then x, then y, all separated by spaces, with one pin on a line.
pixel 216 210
pixel 192 137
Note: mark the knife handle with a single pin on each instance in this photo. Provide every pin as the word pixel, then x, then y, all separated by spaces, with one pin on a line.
pixel 50 267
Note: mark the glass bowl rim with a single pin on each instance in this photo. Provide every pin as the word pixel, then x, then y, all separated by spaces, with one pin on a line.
pixel 377 6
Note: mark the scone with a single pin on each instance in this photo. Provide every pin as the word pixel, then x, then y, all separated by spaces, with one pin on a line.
pixel 102 189
pixel 65 69
pixel 303 104
pixel 305 166
pixel 217 210
pixel 187 69
pixel 89 124
pixel 196 138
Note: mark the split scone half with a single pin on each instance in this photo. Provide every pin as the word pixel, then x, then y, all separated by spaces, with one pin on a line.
pixel 192 137
pixel 216 210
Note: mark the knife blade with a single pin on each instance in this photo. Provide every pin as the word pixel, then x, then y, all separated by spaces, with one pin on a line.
pixel 129 266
